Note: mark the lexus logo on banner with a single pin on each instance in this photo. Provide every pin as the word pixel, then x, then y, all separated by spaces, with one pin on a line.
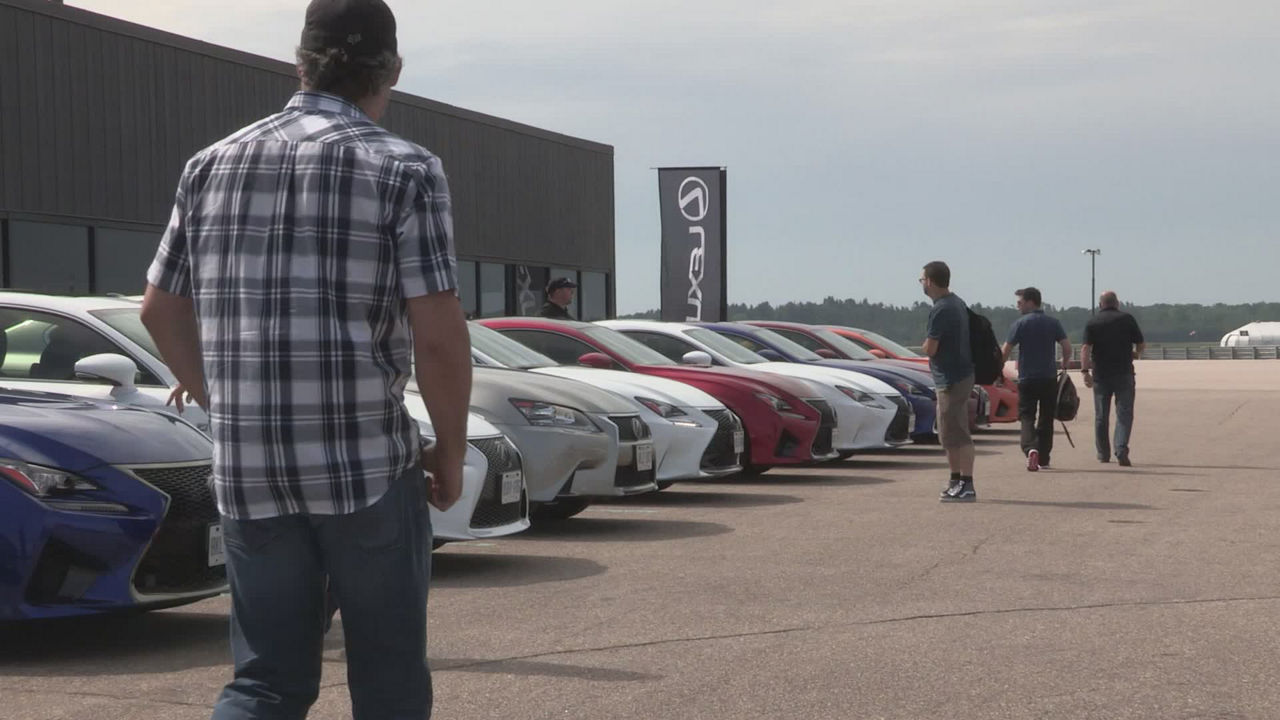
pixel 692 202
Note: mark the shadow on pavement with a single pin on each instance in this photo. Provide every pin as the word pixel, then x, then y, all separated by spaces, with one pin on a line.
pixel 680 497
pixel 866 464
pixel 484 570
pixel 156 642
pixel 541 669
pixel 633 528
pixel 1073 505
pixel 809 479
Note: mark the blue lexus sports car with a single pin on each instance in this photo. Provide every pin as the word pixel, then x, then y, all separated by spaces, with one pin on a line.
pixel 102 508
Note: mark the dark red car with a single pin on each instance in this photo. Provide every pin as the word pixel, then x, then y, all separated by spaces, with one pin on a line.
pixel 1003 394
pixel 786 422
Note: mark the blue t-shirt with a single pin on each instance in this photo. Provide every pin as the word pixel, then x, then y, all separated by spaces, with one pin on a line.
pixel 1036 334
pixel 949 325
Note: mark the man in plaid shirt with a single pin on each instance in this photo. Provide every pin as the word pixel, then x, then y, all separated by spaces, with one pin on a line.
pixel 308 260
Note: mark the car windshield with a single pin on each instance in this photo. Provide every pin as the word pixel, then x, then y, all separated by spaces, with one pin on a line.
pixel 843 344
pixel 888 344
pixel 726 347
pixel 626 348
pixel 128 322
pixel 790 347
pixel 506 351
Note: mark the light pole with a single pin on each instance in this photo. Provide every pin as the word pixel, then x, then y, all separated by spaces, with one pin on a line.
pixel 1093 289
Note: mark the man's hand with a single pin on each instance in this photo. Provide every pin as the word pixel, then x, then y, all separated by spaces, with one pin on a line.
pixel 444 489
pixel 1088 379
pixel 176 399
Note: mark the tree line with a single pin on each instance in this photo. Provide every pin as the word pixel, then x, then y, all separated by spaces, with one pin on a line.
pixel 1161 323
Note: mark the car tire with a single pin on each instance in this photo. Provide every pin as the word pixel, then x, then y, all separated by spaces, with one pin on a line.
pixel 560 509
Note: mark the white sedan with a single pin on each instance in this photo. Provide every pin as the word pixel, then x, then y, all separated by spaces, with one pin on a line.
pixel 694 435
pixel 869 412
pixel 97 347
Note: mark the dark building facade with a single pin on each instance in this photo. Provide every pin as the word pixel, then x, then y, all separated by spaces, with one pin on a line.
pixel 98 116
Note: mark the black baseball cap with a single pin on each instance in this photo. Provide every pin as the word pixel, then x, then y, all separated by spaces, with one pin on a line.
pixel 560 282
pixel 363 28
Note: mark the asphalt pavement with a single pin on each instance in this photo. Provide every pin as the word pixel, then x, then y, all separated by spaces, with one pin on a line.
pixel 843 591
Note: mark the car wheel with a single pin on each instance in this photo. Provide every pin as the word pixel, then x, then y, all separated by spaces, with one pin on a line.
pixel 561 509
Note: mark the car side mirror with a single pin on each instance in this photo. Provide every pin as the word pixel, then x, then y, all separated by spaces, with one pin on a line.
pixel 108 367
pixel 879 353
pixel 770 355
pixel 828 354
pixel 696 358
pixel 596 360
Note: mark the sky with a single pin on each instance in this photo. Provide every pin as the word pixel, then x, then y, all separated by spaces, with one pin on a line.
pixel 864 138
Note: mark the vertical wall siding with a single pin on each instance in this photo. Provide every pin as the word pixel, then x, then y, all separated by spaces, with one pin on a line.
pixel 97 124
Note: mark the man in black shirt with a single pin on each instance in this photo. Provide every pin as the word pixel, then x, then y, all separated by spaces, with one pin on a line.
pixel 559 297
pixel 1112 341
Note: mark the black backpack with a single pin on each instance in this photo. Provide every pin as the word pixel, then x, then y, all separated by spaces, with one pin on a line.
pixel 1068 399
pixel 988 361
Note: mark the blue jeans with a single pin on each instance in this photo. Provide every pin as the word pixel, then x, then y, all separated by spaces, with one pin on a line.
pixel 378 561
pixel 1122 388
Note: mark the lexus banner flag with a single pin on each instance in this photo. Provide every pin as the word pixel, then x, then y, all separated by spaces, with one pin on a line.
pixel 692 202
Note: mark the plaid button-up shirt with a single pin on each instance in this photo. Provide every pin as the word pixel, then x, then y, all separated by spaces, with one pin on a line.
pixel 299 238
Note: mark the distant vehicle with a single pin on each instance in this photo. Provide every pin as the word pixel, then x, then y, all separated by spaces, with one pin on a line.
pixel 1002 395
pixel 1255 333
pixel 694 435
pixel 869 413
pixel 915 385
pixel 787 422
pixel 103 508
pixel 577 442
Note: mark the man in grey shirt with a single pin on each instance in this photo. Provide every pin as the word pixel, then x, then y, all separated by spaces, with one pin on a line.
pixel 951 362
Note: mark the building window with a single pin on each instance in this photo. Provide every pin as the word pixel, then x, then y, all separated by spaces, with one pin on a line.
pixel 493 290
pixel 467 287
pixel 530 289
pixel 593 296
pixel 575 307
pixel 49 258
pixel 121 259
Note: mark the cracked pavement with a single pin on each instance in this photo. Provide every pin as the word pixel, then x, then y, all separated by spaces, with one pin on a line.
pixel 845 591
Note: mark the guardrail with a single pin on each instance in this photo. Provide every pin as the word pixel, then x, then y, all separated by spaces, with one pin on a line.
pixel 1213 352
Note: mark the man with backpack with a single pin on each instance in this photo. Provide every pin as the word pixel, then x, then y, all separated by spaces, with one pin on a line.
pixel 951 362
pixel 1036 334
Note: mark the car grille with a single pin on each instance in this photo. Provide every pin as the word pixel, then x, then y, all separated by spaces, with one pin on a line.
pixel 630 428
pixel 628 476
pixel 822 443
pixel 178 559
pixel 719 453
pixel 900 428
pixel 490 510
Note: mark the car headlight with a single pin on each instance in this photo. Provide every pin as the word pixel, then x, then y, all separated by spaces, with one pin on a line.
pixel 779 405
pixel 667 411
pixel 42 481
pixel 861 397
pixel 545 414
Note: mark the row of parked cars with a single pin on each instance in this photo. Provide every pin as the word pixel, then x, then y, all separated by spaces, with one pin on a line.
pixel 105 502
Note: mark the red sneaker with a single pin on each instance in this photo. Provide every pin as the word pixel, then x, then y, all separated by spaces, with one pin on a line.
pixel 1033 460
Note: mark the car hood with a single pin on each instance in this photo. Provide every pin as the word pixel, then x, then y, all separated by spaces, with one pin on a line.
pixel 477 426
pixel 500 385
pixel 830 376
pixel 632 384
pixel 754 380
pixel 78 433
pixel 915 376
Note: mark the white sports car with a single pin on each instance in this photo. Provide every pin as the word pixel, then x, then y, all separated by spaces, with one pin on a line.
pixel 97 347
pixel 869 412
pixel 694 435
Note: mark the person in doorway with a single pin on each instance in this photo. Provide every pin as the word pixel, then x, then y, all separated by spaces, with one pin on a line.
pixel 1037 337
pixel 307 272
pixel 1112 341
pixel 951 363
pixel 559 298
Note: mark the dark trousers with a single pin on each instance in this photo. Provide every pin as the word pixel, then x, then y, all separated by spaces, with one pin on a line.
pixel 1121 387
pixel 378 561
pixel 1037 402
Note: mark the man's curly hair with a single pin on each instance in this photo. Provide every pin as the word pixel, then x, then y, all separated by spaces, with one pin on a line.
pixel 333 71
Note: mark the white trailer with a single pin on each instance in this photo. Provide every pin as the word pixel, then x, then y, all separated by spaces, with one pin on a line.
pixel 1255 333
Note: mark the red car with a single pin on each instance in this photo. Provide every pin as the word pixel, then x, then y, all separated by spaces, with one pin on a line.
pixel 1004 393
pixel 786 422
